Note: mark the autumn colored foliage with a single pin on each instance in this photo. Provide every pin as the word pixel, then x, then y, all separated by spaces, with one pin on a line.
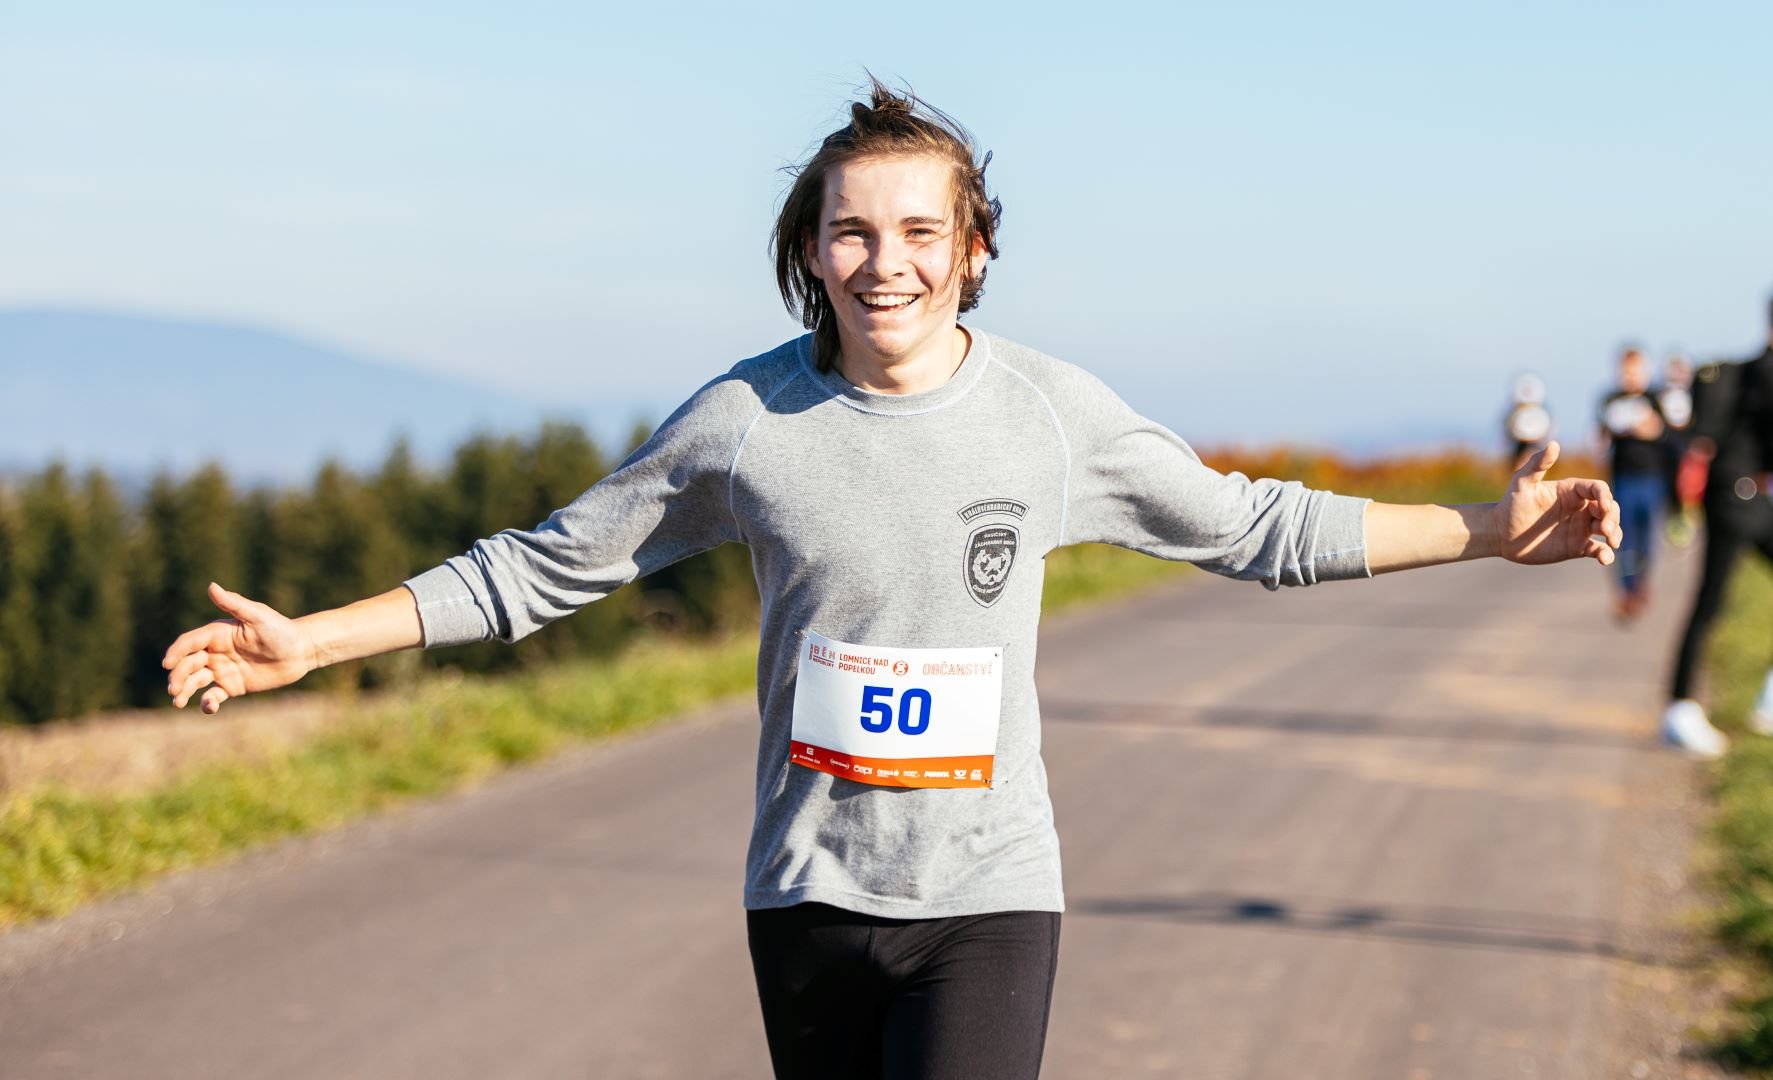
pixel 1444 476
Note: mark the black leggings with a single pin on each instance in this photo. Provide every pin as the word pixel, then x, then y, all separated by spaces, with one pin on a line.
pixel 1730 526
pixel 858 997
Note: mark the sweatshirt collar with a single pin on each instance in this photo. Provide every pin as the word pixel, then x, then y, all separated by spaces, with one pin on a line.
pixel 978 358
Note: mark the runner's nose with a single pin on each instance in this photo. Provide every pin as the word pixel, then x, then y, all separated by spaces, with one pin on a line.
pixel 888 258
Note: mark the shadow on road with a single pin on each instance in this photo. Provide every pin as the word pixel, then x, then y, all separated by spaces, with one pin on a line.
pixel 1321 722
pixel 1460 927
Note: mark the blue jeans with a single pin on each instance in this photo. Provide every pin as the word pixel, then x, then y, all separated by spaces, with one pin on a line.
pixel 1640 497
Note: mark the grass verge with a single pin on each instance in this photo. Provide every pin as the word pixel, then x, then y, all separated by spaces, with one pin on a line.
pixel 60 848
pixel 1742 831
pixel 1089 572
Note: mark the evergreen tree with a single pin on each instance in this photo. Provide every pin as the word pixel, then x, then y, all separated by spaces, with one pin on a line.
pixel 483 491
pixel 100 560
pixel 712 591
pixel 487 490
pixel 263 555
pixel 47 686
pixel 413 504
pixel 560 463
pixel 189 536
pixel 345 549
pixel 350 547
pixel 19 641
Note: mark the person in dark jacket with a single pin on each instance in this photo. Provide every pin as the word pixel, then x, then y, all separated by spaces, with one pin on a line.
pixel 1675 395
pixel 1730 450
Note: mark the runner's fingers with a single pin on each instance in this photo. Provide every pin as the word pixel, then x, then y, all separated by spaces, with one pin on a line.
pixel 182 670
pixel 1606 517
pixel 1595 490
pixel 192 683
pixel 188 642
pixel 212 699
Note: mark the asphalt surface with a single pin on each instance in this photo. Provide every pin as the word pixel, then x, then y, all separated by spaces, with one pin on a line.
pixel 1372 829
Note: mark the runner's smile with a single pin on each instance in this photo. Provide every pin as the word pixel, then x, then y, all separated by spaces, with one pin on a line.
pixel 886 252
pixel 886 305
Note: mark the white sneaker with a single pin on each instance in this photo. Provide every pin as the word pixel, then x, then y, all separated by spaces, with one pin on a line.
pixel 1684 725
pixel 1761 719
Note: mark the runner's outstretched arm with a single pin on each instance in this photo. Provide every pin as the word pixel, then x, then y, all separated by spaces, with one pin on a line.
pixel 668 501
pixel 257 648
pixel 1536 521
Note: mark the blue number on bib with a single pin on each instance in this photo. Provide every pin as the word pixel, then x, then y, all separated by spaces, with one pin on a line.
pixel 923 714
pixel 882 710
pixel 877 710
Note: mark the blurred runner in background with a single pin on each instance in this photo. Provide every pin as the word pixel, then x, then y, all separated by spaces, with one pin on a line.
pixel 1676 393
pixel 1633 428
pixel 1528 424
pixel 1725 469
pixel 1676 398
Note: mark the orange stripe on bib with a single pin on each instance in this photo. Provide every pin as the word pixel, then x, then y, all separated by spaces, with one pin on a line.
pixel 933 772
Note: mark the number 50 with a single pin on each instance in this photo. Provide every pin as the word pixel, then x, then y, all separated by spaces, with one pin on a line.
pixel 877 709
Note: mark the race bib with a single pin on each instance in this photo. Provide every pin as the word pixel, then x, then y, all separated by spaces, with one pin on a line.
pixel 1622 417
pixel 1529 423
pixel 897 717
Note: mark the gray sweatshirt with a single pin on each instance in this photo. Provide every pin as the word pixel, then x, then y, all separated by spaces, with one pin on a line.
pixel 917 521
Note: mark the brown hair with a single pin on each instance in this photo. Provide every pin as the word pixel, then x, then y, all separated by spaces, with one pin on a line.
pixel 889 125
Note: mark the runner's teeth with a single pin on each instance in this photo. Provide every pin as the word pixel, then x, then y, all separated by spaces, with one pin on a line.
pixel 886 300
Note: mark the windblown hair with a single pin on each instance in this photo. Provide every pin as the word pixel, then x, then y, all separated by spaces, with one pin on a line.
pixel 889 125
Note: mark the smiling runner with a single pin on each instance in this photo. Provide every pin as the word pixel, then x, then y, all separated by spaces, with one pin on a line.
pixel 900 480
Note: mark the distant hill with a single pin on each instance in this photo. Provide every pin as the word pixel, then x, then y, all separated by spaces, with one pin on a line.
pixel 135 394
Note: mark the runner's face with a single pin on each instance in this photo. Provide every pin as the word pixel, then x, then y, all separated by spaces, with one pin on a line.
pixel 885 251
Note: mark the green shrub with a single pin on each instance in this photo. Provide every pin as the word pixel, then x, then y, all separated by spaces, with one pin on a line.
pixel 1742 832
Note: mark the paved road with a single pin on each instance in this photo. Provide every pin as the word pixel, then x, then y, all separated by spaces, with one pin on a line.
pixel 1366 830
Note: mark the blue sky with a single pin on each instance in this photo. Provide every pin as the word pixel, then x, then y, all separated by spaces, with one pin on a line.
pixel 1256 221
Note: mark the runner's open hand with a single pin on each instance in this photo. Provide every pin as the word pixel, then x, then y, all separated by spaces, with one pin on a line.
pixel 257 649
pixel 1547 521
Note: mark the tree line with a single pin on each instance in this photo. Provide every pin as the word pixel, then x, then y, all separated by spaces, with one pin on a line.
pixel 94 586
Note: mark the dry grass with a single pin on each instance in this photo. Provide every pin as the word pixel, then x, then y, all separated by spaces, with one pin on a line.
pixel 137 750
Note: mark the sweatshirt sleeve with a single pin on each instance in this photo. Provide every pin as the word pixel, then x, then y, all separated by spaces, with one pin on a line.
pixel 1136 484
pixel 667 502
